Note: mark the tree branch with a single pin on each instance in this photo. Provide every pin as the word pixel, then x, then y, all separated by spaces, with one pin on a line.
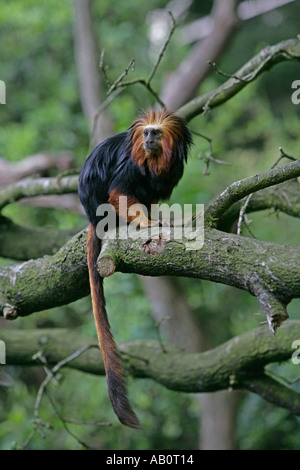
pixel 120 84
pixel 239 189
pixel 37 187
pixel 237 261
pixel 61 279
pixel 230 365
pixel 274 392
pixel 288 50
pixel 40 163
pixel 232 260
pixel 246 10
pixel 282 197
pixel 182 84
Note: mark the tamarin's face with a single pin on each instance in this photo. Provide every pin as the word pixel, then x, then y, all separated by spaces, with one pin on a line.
pixel 152 139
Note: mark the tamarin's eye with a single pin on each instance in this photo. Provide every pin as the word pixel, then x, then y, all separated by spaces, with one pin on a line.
pixel 145 133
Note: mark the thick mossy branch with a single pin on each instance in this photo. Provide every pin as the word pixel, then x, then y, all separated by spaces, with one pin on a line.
pixel 269 271
pixel 234 364
pixel 269 56
pixel 46 282
pixel 16 241
pixel 234 260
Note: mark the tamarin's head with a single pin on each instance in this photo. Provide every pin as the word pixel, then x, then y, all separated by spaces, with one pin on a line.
pixel 159 135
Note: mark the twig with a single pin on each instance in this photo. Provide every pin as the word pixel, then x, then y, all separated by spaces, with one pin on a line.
pixel 145 82
pixel 67 429
pixel 163 49
pixel 223 74
pixel 119 84
pixel 29 439
pixel 157 327
pixel 247 222
pixel 281 156
pixel 50 375
pixel 99 110
pixel 87 423
pixel 103 68
pixel 208 139
pixel 208 157
pixel 116 83
pixel 242 213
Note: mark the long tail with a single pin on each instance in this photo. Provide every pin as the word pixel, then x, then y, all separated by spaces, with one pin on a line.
pixel 112 363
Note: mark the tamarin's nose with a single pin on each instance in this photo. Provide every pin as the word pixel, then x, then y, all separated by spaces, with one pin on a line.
pixel 149 139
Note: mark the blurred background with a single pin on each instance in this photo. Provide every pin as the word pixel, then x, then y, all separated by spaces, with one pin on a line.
pixel 50 53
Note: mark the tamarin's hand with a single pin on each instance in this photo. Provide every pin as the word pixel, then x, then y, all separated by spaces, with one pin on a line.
pixel 144 164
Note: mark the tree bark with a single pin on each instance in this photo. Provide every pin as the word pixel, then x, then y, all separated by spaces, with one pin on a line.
pixel 266 270
pixel 237 364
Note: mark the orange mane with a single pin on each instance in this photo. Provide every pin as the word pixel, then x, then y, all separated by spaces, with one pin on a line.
pixel 171 128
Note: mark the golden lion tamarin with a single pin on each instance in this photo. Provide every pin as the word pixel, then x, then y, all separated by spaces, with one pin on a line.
pixel 144 164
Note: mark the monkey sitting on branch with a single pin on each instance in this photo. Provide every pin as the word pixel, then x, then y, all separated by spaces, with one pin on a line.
pixel 144 164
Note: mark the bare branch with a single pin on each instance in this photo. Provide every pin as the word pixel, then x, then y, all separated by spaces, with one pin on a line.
pixel 248 198
pixel 123 75
pixel 42 389
pixel 119 83
pixel 38 164
pixel 37 187
pixel 246 10
pixel 238 190
pixel 242 213
pixel 183 83
pixel 269 56
pixel 283 197
pixel 163 49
